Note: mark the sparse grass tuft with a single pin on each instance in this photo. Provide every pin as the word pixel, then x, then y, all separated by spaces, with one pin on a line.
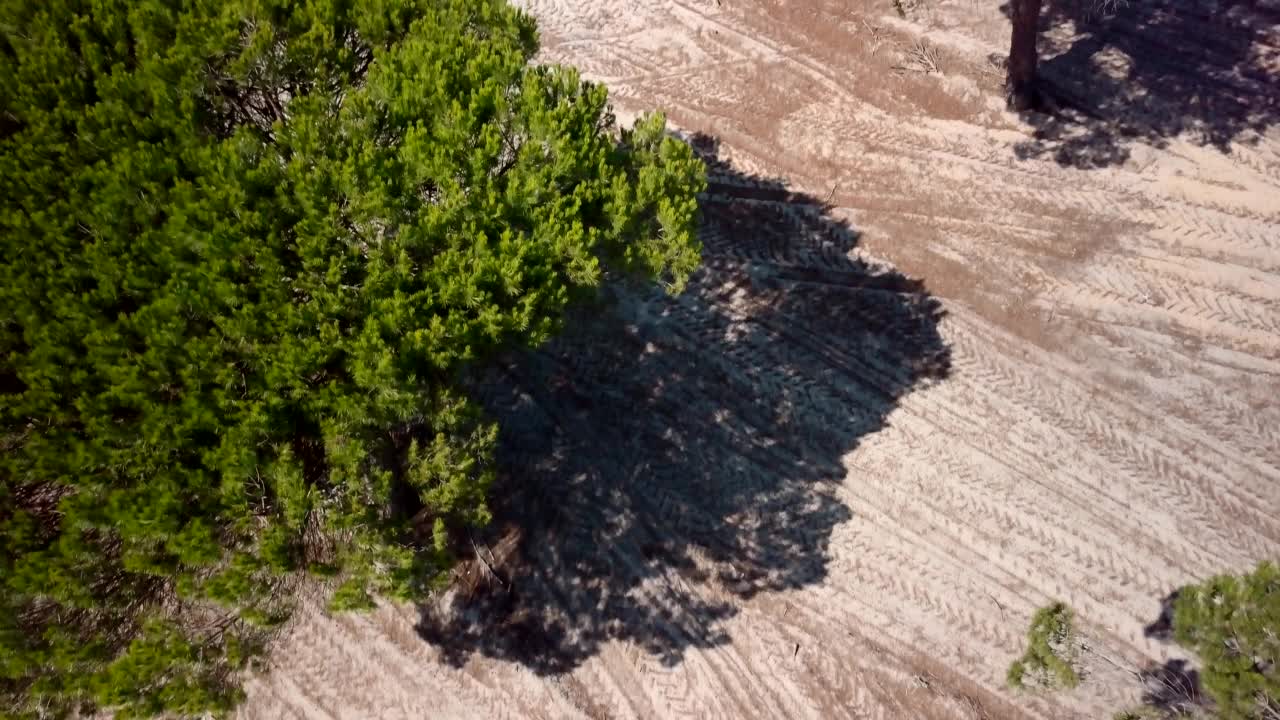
pixel 1051 648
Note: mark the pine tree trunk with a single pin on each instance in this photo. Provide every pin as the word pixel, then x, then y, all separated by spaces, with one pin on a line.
pixel 1020 84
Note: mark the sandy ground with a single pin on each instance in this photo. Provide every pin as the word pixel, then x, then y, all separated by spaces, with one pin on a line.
pixel 945 364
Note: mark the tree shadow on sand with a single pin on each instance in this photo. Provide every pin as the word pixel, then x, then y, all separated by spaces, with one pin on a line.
pixel 1170 689
pixel 1149 70
pixel 667 458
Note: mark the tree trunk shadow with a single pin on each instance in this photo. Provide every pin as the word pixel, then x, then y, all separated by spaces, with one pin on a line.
pixel 1151 70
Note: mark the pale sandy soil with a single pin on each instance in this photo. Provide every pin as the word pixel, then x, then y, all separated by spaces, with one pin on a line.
pixel 811 488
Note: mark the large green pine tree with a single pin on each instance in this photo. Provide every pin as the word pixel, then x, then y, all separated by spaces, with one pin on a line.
pixel 1233 624
pixel 250 249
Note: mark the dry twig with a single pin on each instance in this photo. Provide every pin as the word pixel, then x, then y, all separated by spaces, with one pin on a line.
pixel 923 58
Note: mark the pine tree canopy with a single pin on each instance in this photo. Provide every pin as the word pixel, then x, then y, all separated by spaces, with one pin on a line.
pixel 250 248
pixel 1233 624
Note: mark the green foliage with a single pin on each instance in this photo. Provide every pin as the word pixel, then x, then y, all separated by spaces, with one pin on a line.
pixel 251 249
pixel 1233 624
pixel 161 671
pixel 1051 647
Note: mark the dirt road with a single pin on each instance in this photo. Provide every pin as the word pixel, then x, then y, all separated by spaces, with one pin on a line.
pixel 944 365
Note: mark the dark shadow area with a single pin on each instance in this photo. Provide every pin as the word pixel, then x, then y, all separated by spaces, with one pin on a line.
pixel 1149 70
pixel 1171 689
pixel 1162 627
pixel 667 458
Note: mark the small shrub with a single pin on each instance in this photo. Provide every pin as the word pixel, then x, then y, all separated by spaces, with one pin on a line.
pixel 1050 656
